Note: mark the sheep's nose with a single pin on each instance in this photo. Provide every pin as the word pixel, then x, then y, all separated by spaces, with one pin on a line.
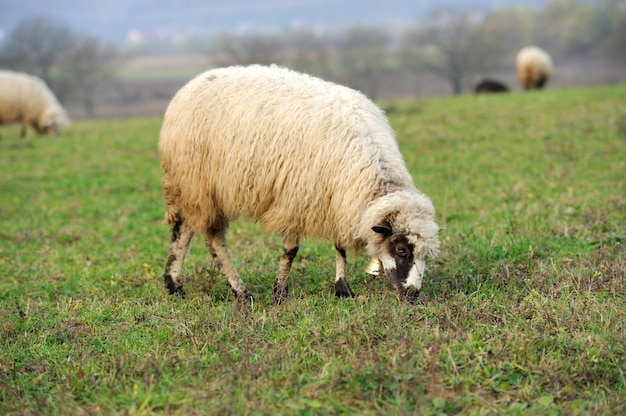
pixel 410 294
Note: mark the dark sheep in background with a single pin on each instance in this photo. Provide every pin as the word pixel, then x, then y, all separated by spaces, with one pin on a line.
pixel 490 86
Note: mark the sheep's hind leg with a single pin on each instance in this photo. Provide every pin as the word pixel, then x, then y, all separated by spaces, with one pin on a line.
pixel 342 290
pixel 181 237
pixel 281 287
pixel 216 243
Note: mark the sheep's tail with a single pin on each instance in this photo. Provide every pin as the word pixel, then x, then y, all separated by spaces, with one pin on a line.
pixel 172 216
pixel 172 213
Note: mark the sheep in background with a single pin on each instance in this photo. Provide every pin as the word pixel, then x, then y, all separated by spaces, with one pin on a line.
pixel 28 100
pixel 534 67
pixel 306 158
pixel 490 86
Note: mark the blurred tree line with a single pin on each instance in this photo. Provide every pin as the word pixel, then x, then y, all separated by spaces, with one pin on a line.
pixel 456 45
pixel 71 64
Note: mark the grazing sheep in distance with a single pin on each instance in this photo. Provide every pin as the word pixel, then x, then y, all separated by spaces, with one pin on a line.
pixel 306 158
pixel 534 67
pixel 490 86
pixel 26 99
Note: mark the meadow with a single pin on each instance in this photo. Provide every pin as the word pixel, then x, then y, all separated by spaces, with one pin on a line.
pixel 524 312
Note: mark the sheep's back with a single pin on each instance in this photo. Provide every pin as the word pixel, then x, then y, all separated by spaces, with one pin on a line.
pixel 11 99
pixel 532 63
pixel 23 97
pixel 295 152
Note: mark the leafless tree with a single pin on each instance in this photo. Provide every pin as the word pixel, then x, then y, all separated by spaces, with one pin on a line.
pixel 247 49
pixel 363 56
pixel 585 28
pixel 455 45
pixel 310 52
pixel 70 64
pixel 87 64
pixel 614 45
pixel 36 45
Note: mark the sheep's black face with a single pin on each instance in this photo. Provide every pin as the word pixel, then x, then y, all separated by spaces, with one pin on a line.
pixel 47 127
pixel 404 258
pixel 404 271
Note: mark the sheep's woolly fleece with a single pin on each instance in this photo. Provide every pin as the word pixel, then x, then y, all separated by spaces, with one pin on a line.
pixel 303 156
pixel 28 100
pixel 534 67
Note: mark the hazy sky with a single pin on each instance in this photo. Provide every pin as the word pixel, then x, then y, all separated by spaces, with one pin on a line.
pixel 113 19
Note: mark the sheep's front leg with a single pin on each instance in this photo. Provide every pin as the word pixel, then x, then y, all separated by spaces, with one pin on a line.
pixel 216 243
pixel 281 288
pixel 181 237
pixel 342 290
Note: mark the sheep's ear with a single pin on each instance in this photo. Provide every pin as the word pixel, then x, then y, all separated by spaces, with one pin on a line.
pixel 383 228
pixel 442 229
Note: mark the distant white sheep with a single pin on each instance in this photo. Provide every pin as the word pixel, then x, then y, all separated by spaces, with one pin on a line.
pixel 303 156
pixel 534 67
pixel 26 99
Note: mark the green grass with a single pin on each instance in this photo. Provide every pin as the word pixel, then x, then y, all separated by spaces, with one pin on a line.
pixel 523 313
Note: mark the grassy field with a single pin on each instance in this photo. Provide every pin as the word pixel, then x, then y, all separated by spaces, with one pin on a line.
pixel 523 313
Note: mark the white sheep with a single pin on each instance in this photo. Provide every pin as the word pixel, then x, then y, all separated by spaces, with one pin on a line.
pixel 534 67
pixel 26 99
pixel 303 156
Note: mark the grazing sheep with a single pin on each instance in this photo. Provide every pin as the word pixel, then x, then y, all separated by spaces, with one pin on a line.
pixel 303 156
pixel 534 67
pixel 490 86
pixel 28 100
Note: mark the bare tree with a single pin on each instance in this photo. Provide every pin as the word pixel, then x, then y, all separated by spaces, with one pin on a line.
pixel 454 45
pixel 36 45
pixel 309 52
pixel 88 63
pixel 614 45
pixel 247 49
pixel 585 28
pixel 70 64
pixel 363 56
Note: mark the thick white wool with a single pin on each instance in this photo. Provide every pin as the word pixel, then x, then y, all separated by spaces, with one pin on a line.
pixel 305 157
pixel 26 99
pixel 534 67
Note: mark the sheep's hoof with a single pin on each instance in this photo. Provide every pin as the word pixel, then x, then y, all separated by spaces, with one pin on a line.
pixel 409 294
pixel 173 288
pixel 280 294
pixel 342 290
pixel 244 297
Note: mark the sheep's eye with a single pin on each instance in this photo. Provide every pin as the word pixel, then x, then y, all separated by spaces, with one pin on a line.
pixel 402 250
